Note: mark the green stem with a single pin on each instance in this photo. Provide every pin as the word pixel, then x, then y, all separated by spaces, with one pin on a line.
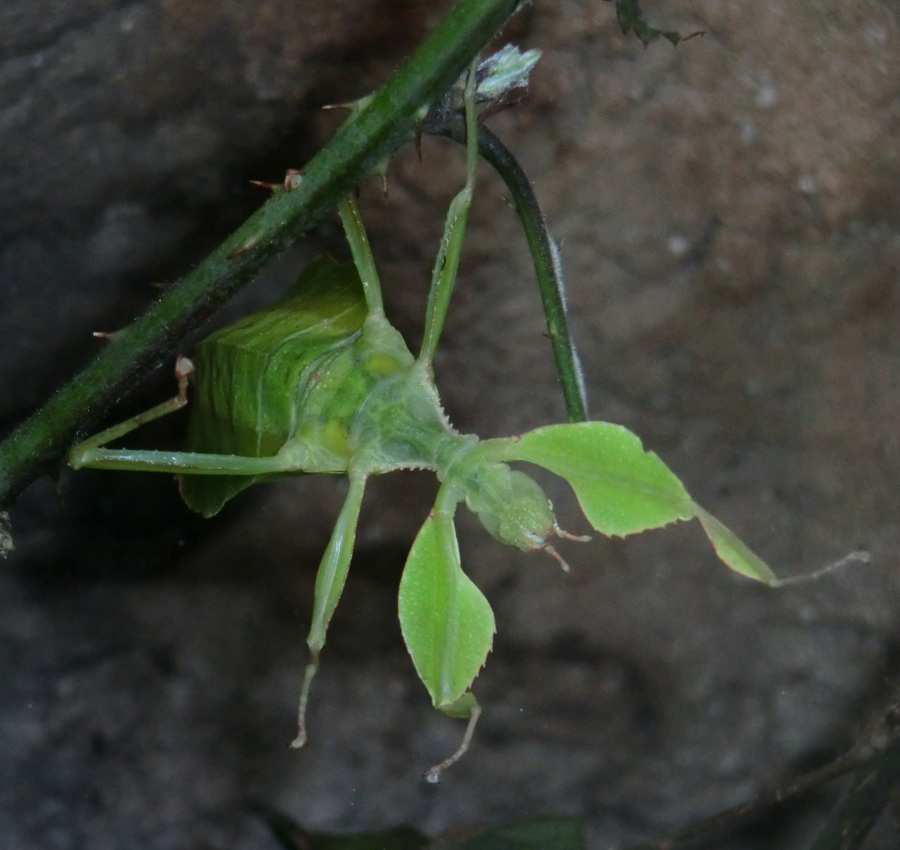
pixel 545 258
pixel 371 134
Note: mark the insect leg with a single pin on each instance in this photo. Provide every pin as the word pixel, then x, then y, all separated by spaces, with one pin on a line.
pixel 92 453
pixel 465 598
pixel 184 463
pixel 362 253
pixel 79 455
pixel 329 584
pixel 447 262
pixel 433 774
pixel 446 621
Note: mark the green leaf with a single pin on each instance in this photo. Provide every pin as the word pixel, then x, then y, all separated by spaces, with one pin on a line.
pixel 733 551
pixel 446 622
pixel 621 488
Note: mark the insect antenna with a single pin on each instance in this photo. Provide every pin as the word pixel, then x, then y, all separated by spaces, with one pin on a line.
pixel 565 535
pixel 557 557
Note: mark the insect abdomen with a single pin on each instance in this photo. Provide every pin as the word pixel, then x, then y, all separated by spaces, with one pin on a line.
pixel 245 398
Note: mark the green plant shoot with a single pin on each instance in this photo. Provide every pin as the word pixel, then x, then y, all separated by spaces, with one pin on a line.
pixel 322 382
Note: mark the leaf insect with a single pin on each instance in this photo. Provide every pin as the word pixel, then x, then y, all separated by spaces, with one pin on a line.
pixel 322 382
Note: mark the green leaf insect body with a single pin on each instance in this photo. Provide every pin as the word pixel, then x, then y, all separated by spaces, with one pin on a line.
pixel 322 382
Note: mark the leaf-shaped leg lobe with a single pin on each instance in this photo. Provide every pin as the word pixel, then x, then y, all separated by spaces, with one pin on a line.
pixel 624 489
pixel 330 581
pixel 621 488
pixel 733 552
pixel 446 621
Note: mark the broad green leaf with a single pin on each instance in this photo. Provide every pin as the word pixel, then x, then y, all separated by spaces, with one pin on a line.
pixel 446 622
pixel 621 488
pixel 733 551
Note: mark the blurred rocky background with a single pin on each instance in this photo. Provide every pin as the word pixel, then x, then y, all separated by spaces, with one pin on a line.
pixel 729 222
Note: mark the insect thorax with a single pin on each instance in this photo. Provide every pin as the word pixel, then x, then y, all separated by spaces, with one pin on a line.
pixel 402 425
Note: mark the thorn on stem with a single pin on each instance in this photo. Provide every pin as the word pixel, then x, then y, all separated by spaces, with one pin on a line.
pixel 249 245
pixel 272 187
pixel 352 106
pixel 184 367
pixel 292 179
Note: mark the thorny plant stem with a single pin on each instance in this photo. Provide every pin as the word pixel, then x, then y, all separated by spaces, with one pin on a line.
pixel 547 267
pixel 368 137
pixel 544 256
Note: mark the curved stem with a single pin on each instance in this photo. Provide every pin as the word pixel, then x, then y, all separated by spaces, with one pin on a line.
pixel 544 256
